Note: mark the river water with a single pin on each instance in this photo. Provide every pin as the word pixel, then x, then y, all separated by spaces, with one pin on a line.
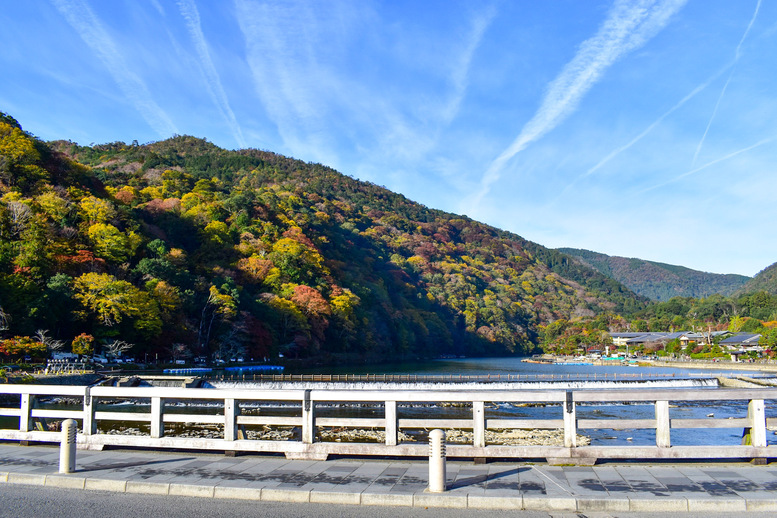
pixel 559 376
pixel 512 373
pixel 515 366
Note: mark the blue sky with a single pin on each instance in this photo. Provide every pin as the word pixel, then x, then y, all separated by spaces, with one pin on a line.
pixel 636 128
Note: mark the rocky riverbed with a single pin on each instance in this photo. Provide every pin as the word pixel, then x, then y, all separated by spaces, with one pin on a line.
pixel 278 433
pixel 513 437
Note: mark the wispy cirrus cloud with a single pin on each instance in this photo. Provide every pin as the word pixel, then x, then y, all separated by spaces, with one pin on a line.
pixel 312 94
pixel 708 164
pixel 730 66
pixel 737 55
pixel 291 68
pixel 191 14
pixel 463 61
pixel 92 31
pixel 629 25
pixel 617 151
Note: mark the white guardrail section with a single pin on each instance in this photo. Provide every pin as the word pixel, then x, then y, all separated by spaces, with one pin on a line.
pixel 224 407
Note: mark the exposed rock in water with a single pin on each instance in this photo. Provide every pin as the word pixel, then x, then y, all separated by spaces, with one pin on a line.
pixel 508 437
pixel 513 437
pixel 359 435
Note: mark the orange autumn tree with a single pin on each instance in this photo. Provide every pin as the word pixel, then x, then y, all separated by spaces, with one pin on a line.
pixel 83 344
pixel 19 346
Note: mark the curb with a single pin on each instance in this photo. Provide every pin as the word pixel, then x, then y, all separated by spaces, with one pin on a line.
pixel 426 500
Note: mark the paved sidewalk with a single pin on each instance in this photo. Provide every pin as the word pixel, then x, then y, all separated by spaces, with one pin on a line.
pixel 730 487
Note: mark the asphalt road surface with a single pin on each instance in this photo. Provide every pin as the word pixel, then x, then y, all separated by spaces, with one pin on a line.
pixel 20 501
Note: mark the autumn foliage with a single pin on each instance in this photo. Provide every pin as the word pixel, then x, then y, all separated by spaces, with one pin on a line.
pixel 185 249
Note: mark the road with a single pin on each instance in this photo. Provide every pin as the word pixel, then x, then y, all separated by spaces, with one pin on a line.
pixel 20 501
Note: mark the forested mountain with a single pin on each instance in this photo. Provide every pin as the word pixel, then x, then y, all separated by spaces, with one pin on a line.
pixel 182 248
pixel 765 280
pixel 659 281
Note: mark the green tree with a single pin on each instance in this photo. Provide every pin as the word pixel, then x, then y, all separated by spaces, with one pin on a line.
pixel 298 262
pixel 95 210
pixel 19 158
pixel 112 244
pixel 221 304
pixel 83 345
pixel 768 338
pixel 112 301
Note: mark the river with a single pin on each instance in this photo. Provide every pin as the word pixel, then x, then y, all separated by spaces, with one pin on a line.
pixel 516 366
pixel 512 373
pixel 566 376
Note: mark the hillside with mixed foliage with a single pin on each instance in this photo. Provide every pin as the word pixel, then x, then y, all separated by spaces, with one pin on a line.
pixel 181 248
pixel 659 281
pixel 765 280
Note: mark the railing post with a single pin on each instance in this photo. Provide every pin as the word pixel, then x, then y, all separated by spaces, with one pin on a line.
pixel 478 424
pixel 755 435
pixel 90 424
pixel 230 420
pixel 67 446
pixel 437 469
pixel 25 413
pixel 570 422
pixel 308 419
pixel 663 439
pixel 392 425
pixel 157 425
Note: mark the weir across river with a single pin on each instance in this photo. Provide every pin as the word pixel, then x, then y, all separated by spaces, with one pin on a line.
pixel 247 419
pixel 449 378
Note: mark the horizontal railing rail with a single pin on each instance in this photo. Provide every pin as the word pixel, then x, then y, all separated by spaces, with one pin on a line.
pixel 232 414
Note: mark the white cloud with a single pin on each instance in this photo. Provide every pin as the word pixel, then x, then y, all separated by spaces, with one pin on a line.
pixel 215 89
pixel 709 164
pixel 617 151
pixel 628 26
pixel 91 30
pixel 737 55
pixel 301 60
pixel 463 62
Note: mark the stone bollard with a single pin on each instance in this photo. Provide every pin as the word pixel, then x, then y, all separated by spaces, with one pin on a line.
pixel 67 446
pixel 437 461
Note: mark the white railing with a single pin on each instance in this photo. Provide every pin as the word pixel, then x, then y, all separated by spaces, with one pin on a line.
pixel 235 410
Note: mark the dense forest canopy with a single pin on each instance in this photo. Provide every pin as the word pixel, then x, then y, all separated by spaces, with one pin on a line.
pixel 180 248
pixel 660 281
pixel 765 280
pixel 748 313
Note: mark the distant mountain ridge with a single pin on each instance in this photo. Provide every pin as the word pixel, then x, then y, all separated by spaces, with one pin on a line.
pixel 765 280
pixel 660 281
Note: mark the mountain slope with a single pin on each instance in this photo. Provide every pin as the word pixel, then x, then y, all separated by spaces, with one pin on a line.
pixel 183 248
pixel 765 280
pixel 659 281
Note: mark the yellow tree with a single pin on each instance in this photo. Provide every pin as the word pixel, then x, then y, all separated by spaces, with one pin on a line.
pixel 112 244
pixel 19 158
pixel 83 344
pixel 95 210
pixel 221 305
pixel 112 300
pixel 298 262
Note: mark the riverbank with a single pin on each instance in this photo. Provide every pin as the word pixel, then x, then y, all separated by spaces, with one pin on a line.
pixel 739 366
pixel 677 364
pixel 54 379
